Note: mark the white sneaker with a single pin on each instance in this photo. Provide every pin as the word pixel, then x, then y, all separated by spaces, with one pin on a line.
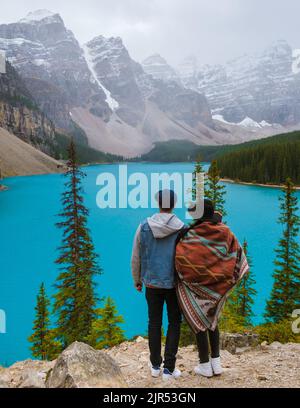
pixel 216 366
pixel 155 371
pixel 204 369
pixel 167 375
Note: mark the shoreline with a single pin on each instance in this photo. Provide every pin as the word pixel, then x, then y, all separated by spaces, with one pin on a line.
pixel 246 183
pixel 223 179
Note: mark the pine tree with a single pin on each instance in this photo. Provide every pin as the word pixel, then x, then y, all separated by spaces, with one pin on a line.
pixel 285 295
pixel 213 190
pixel 105 328
pixel 43 341
pixel 237 313
pixel 245 292
pixel 75 299
pixel 231 321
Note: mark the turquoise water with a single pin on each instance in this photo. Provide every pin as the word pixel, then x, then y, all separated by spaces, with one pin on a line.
pixel 29 240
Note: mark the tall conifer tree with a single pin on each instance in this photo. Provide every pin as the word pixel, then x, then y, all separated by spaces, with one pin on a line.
pixel 214 191
pixel 245 292
pixel 44 346
pixel 75 298
pixel 285 295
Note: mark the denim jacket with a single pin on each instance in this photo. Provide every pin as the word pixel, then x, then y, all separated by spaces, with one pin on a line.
pixel 154 250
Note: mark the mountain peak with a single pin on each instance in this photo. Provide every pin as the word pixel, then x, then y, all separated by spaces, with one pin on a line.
pixel 158 67
pixel 37 15
pixel 279 47
pixel 154 59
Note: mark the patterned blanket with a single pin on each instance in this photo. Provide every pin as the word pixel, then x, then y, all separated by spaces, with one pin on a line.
pixel 209 262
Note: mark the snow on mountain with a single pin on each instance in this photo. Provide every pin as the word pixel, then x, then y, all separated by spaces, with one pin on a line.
pixel 246 122
pixel 296 61
pixel 48 56
pixel 37 15
pixel 158 67
pixel 113 104
pixel 124 107
pixel 263 87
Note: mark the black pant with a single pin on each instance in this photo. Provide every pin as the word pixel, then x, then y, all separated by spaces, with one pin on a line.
pixel 202 343
pixel 156 298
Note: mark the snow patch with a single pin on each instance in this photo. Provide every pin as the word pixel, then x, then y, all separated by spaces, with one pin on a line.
pixel 247 122
pixel 37 15
pixel 296 61
pixel 220 118
pixel 40 62
pixel 264 123
pixel 8 42
pixel 113 104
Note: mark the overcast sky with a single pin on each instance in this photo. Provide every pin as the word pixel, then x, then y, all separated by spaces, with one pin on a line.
pixel 214 30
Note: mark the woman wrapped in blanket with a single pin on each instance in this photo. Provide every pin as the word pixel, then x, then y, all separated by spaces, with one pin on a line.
pixel 209 262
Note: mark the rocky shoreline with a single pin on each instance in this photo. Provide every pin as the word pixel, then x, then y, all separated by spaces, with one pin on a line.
pixel 227 180
pixel 248 365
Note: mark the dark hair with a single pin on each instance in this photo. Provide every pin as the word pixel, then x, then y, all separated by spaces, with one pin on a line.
pixel 166 199
pixel 209 209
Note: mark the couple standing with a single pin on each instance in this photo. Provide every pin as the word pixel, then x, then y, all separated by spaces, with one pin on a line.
pixel 192 269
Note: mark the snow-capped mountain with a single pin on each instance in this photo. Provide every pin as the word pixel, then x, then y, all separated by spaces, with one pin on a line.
pixel 121 108
pixel 53 66
pixel 158 67
pixel 124 107
pixel 145 109
pixel 264 87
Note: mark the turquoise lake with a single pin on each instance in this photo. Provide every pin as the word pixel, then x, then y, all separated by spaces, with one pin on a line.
pixel 29 241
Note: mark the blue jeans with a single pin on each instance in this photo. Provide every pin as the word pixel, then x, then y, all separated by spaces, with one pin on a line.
pixel 156 298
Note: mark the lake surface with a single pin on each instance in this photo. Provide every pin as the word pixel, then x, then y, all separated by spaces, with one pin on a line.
pixel 29 240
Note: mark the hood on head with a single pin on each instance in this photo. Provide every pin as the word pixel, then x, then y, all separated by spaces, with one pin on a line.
pixel 164 224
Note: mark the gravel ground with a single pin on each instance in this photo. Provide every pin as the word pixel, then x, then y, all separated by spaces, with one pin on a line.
pixel 275 365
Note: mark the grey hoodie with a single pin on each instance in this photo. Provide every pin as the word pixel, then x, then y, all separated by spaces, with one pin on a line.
pixel 162 225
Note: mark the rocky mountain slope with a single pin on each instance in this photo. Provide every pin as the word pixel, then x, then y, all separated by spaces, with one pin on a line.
pixel 20 114
pixel 18 158
pixel 126 365
pixel 252 90
pixel 49 58
pixel 122 106
pixel 145 109
pixel 125 107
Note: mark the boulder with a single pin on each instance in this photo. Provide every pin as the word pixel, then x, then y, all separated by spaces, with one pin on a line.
pixel 236 341
pixel 81 366
pixel 275 345
pixel 32 379
pixel 26 374
pixel 140 339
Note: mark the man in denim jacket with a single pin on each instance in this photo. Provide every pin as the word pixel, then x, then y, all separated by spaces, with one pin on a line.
pixel 153 266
